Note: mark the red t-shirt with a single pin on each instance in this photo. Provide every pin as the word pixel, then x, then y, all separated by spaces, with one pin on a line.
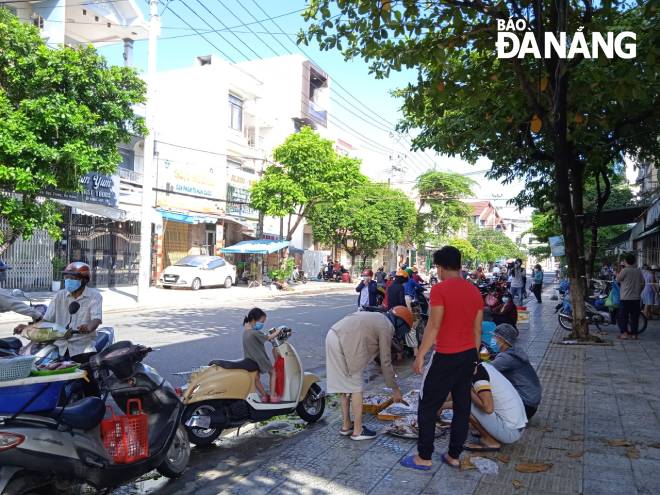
pixel 461 300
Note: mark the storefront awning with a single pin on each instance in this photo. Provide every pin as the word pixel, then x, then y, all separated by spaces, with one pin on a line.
pixel 191 218
pixel 94 209
pixel 647 233
pixel 259 246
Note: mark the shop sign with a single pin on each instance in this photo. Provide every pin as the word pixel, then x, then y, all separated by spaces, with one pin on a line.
pixel 238 194
pixel 95 188
pixel 557 245
pixel 189 186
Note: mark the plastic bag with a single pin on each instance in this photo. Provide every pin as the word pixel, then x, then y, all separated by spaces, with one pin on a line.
pixel 485 466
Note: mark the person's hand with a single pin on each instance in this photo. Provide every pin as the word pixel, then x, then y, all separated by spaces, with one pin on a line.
pixel 418 365
pixel 19 329
pixel 84 329
pixel 396 396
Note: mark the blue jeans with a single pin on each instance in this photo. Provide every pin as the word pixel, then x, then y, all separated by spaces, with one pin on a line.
pixel 517 291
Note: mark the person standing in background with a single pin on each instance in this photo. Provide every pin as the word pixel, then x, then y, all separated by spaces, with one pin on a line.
pixel 632 283
pixel 648 294
pixel 537 286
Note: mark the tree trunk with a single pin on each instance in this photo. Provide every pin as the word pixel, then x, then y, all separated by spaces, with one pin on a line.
pixel 564 161
pixel 9 240
pixel 601 200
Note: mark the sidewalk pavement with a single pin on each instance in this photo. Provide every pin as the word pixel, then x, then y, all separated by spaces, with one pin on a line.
pixel 120 299
pixel 597 431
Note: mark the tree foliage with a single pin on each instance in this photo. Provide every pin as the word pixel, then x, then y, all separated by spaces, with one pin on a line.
pixel 469 253
pixel 552 122
pixel 369 219
pixel 492 245
pixel 62 114
pixel 442 211
pixel 308 172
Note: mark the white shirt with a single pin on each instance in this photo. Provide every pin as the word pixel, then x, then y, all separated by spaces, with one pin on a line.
pixel 507 403
pixel 364 296
pixel 91 308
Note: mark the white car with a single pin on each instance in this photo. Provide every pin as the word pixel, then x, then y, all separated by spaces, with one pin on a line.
pixel 199 271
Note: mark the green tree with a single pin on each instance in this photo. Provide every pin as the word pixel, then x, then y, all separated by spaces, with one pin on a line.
pixel 468 252
pixel 492 245
pixel 369 219
pixel 62 114
pixel 441 209
pixel 308 172
pixel 552 121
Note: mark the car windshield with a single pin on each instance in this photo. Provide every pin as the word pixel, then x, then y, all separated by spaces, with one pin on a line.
pixel 192 261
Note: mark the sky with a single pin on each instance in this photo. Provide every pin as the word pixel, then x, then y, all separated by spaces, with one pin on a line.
pixel 362 105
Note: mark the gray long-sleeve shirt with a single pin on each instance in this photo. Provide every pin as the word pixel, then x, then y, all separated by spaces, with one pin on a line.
pixel 515 366
pixel 11 303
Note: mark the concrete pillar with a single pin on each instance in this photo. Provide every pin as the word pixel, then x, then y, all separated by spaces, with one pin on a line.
pixel 128 52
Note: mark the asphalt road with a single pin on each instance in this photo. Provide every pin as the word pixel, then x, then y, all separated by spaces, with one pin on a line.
pixel 187 338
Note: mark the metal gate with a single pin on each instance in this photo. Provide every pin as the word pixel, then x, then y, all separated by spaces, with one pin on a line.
pixel 110 248
pixel 30 259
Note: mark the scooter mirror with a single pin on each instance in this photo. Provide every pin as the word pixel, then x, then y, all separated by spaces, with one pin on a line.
pixel 74 307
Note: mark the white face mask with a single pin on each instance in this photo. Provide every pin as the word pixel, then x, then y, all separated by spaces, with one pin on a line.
pixel 505 299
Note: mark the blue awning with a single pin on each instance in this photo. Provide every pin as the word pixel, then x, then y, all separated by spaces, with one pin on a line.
pixel 187 217
pixel 260 246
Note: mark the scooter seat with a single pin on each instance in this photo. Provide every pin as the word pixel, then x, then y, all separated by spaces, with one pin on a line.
pixel 83 415
pixel 243 364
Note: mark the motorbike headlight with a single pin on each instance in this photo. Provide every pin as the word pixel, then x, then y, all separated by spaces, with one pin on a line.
pixel 10 440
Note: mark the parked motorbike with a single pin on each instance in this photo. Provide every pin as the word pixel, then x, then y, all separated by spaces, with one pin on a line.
pixel 62 450
pixel 298 276
pixel 223 394
pixel 594 315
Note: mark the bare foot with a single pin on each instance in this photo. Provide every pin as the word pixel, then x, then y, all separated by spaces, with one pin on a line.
pixel 422 462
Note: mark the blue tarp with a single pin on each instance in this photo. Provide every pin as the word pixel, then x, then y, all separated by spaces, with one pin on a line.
pixel 260 246
pixel 187 218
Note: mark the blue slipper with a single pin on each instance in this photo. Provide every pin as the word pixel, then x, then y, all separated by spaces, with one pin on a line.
pixel 444 460
pixel 409 462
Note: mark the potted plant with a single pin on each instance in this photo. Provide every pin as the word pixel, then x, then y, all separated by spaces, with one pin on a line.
pixel 58 265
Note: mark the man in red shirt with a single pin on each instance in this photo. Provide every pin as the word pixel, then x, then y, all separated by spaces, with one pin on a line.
pixel 454 329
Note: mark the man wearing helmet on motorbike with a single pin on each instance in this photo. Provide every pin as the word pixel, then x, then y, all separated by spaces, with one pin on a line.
pixel 86 319
pixel 350 345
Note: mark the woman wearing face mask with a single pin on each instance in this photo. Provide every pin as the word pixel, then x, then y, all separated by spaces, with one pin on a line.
pixel 506 311
pixel 254 348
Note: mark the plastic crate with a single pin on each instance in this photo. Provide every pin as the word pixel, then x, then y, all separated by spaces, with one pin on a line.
pixel 13 399
pixel 15 368
pixel 126 438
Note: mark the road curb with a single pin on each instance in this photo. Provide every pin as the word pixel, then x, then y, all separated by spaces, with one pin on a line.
pixel 114 309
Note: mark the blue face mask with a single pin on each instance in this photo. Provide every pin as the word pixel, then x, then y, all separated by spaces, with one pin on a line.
pixel 72 285
pixel 259 325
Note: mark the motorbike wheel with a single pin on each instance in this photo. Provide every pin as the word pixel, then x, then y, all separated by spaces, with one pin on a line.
pixel 199 436
pixel 565 321
pixel 643 323
pixel 310 409
pixel 24 483
pixel 178 455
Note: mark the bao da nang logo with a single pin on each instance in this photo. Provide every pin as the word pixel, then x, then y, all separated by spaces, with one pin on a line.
pixel 516 39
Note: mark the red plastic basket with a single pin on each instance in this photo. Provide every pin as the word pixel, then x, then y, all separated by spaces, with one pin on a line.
pixel 126 438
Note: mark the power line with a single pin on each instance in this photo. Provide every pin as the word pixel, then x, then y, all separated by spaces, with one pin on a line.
pixel 249 28
pixel 201 35
pixel 225 26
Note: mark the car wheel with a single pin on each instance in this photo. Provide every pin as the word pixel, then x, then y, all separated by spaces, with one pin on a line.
pixel 167 286
pixel 196 284
pixel 228 283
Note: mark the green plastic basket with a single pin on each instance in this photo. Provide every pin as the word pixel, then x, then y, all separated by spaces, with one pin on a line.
pixel 70 369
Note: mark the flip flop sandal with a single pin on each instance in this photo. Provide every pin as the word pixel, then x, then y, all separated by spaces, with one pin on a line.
pixel 481 448
pixel 409 462
pixel 445 460
pixel 346 432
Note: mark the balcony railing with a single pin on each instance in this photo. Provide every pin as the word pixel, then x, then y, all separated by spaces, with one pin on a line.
pixel 130 175
pixel 317 113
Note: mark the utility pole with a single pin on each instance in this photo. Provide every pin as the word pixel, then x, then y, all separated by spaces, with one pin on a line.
pixel 149 145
